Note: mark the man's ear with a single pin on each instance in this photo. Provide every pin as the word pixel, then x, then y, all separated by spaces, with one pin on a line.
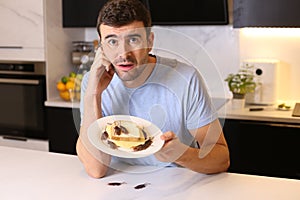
pixel 150 41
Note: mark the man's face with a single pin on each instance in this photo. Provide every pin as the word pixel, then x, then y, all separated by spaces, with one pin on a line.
pixel 127 48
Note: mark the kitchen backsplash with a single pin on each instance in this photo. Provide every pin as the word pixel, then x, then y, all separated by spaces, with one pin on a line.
pixel 275 43
pixel 223 49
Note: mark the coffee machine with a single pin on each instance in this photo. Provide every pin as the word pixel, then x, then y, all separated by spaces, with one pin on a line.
pixel 270 80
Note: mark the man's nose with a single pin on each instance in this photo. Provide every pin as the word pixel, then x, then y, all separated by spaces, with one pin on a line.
pixel 123 48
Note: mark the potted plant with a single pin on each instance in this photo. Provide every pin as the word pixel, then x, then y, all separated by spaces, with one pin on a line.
pixel 242 82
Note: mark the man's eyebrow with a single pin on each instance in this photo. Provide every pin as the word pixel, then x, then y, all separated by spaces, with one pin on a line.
pixel 134 35
pixel 127 36
pixel 110 36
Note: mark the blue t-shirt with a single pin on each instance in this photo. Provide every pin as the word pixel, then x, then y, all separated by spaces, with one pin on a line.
pixel 174 98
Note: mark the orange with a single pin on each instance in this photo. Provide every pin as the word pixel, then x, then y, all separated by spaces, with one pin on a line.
pixel 70 85
pixel 61 86
pixel 65 95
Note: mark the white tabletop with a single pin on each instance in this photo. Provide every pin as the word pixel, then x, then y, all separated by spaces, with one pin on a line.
pixel 37 175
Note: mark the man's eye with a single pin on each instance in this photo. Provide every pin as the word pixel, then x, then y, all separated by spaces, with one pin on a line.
pixel 134 40
pixel 112 42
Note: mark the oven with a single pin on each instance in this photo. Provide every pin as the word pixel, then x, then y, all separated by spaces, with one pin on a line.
pixel 22 110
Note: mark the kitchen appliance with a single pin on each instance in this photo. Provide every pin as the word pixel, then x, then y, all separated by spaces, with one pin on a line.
pixel 83 55
pixel 83 50
pixel 268 75
pixel 22 116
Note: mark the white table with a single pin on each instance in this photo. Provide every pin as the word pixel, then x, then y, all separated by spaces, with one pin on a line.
pixel 37 175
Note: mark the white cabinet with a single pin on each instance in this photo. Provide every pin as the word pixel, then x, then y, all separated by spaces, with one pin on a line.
pixel 22 30
pixel 32 31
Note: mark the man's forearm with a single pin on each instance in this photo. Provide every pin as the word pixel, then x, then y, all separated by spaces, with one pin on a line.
pixel 95 162
pixel 214 162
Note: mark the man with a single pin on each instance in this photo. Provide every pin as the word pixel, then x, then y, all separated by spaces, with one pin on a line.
pixel 126 79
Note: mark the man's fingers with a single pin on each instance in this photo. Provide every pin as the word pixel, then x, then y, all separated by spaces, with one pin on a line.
pixel 168 136
pixel 100 61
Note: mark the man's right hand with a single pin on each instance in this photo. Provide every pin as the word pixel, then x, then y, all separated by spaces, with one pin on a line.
pixel 101 73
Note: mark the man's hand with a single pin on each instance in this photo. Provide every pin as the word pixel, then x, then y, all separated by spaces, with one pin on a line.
pixel 172 148
pixel 101 73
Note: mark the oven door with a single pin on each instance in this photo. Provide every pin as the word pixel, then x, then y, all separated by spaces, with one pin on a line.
pixel 22 111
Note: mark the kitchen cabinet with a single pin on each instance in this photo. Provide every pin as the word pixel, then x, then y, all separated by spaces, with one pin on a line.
pixel 31 31
pixel 62 129
pixel 263 148
pixel 78 13
pixel 266 13
pixel 22 30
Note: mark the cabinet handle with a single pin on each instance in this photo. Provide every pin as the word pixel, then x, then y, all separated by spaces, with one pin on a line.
pixel 11 47
pixel 285 125
pixel 7 137
pixel 19 81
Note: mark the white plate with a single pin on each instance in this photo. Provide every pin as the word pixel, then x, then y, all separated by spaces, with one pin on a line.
pixel 96 129
pixel 283 109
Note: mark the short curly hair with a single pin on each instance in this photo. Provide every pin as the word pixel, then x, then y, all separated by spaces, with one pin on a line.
pixel 118 13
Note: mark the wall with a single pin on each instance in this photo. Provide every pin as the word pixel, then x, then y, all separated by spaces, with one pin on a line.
pixel 275 43
pixel 58 47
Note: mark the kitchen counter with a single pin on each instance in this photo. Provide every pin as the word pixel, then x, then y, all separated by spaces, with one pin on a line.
pixel 218 103
pixel 61 103
pixel 35 175
pixel 269 113
pixel 225 110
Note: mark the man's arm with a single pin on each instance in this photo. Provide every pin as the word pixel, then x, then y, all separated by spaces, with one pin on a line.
pixel 212 157
pixel 95 162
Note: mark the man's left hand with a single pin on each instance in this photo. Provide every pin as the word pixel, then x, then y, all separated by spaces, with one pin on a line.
pixel 172 149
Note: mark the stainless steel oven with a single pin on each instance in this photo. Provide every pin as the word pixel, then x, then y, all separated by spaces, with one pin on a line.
pixel 22 110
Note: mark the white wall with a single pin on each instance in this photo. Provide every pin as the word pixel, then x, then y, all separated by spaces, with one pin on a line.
pixel 273 43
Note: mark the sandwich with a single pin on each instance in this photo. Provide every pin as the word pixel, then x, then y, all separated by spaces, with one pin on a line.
pixel 127 135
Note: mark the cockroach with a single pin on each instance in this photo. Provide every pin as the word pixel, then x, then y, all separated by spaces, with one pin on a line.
pixel 123 129
pixel 145 134
pixel 140 186
pixel 117 130
pixel 112 144
pixel 104 135
pixel 116 183
pixel 143 146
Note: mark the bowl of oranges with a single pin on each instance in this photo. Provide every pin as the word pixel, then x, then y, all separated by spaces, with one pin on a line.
pixel 69 87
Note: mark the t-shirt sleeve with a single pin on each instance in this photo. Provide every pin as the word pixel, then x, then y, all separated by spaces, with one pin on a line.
pixel 200 110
